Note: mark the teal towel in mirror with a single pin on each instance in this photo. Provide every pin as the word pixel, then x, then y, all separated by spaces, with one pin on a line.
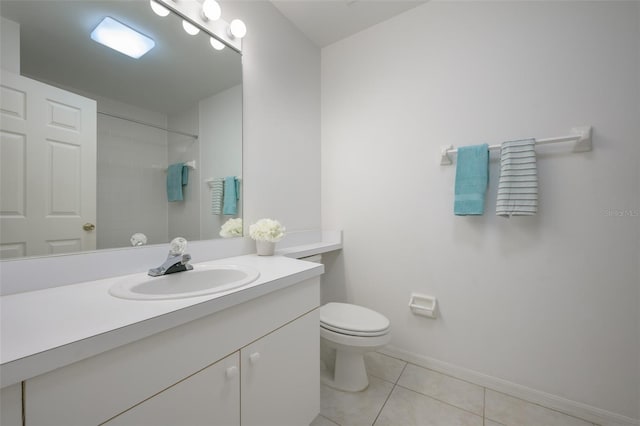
pixel 177 177
pixel 472 176
pixel 231 196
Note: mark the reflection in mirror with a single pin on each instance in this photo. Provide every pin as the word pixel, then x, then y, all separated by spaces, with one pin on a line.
pixel 100 150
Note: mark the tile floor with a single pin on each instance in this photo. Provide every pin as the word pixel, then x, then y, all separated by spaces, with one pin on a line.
pixel 402 394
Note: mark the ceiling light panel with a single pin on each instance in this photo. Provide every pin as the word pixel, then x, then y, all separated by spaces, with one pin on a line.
pixel 120 37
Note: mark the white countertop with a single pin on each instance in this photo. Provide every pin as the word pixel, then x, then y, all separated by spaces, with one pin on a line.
pixel 46 329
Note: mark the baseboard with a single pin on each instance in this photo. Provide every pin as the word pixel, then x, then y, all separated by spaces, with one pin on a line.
pixel 573 408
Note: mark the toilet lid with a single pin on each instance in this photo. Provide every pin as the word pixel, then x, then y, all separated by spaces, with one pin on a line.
pixel 352 319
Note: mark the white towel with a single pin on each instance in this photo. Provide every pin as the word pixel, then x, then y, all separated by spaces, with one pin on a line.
pixel 518 186
pixel 217 193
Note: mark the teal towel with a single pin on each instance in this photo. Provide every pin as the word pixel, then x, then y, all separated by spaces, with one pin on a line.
pixel 472 176
pixel 231 196
pixel 177 177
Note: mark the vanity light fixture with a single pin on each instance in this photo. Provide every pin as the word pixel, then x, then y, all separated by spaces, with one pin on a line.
pixel 211 10
pixel 120 37
pixel 216 44
pixel 237 29
pixel 205 15
pixel 190 28
pixel 158 9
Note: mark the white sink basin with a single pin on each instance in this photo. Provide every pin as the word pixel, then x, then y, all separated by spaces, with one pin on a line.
pixel 201 281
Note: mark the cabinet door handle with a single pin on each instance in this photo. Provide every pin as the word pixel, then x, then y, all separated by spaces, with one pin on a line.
pixel 254 357
pixel 232 372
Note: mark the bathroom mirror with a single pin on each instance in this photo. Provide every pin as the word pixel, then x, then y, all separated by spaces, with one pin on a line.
pixel 181 102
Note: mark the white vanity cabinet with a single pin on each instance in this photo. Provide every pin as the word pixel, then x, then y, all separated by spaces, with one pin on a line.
pixel 11 405
pixel 277 371
pixel 184 376
pixel 274 373
pixel 209 397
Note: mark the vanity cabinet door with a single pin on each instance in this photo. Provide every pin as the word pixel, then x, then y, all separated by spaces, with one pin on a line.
pixel 209 397
pixel 11 405
pixel 281 375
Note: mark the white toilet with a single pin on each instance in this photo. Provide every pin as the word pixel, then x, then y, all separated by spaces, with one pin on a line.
pixel 347 332
pixel 351 331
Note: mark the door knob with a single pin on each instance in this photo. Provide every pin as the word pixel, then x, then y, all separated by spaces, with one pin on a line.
pixel 88 226
pixel 254 357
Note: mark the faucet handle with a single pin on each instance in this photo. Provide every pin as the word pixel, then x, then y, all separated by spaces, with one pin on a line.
pixel 177 246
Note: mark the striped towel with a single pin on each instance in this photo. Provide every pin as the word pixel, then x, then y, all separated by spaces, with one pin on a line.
pixel 518 185
pixel 217 192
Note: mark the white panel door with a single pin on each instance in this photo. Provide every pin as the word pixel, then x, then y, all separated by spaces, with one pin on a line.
pixel 280 384
pixel 210 397
pixel 48 143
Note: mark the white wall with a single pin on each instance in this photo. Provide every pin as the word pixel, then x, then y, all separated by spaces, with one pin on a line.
pixel 184 216
pixel 281 85
pixel 221 138
pixel 130 152
pixel 549 302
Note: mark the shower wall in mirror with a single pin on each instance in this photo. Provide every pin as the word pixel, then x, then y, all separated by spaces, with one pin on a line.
pixel 86 166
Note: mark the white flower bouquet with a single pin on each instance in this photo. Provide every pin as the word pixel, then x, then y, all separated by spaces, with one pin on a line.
pixel 267 230
pixel 231 228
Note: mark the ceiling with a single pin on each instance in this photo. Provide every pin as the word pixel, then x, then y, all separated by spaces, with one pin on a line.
pixel 326 21
pixel 55 47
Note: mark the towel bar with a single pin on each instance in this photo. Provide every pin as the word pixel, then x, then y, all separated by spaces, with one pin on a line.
pixel 211 180
pixel 580 135
pixel 190 164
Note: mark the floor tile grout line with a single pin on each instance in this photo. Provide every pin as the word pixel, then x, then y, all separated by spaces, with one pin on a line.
pixel 383 404
pixel 406 363
pixel 381 378
pixel 541 406
pixel 389 396
pixel 444 374
pixel 484 406
pixel 328 419
pixel 441 401
pixel 404 367
pixel 386 379
pixel 475 384
pixel 430 369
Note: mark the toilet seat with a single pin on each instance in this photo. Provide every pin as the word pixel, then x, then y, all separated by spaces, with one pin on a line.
pixel 353 320
pixel 354 332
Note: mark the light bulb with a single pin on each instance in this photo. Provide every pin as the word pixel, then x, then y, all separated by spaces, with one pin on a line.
pixel 237 29
pixel 211 10
pixel 216 44
pixel 190 28
pixel 159 9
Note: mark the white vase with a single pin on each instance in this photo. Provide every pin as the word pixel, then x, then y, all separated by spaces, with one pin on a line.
pixel 265 248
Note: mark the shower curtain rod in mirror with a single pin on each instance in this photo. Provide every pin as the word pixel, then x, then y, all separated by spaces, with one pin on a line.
pixel 149 124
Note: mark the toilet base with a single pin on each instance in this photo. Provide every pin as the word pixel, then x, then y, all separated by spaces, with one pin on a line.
pixel 350 374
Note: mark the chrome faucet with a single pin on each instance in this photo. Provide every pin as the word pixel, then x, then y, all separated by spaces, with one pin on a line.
pixel 177 260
